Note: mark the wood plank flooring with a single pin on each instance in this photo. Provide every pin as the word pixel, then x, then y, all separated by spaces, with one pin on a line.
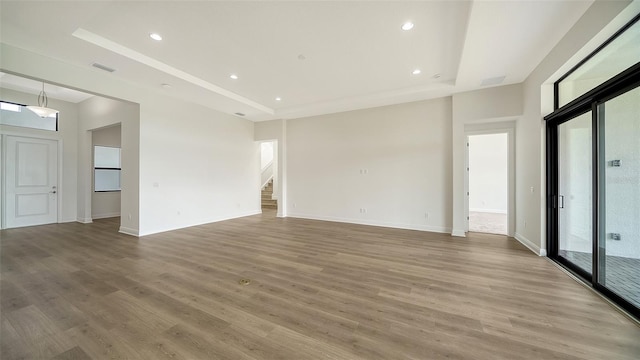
pixel 318 290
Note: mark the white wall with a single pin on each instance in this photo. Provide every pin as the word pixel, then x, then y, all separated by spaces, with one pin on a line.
pixel 266 153
pixel 622 184
pixel 197 166
pixel 96 113
pixel 276 130
pixel 488 173
pixel 538 102
pixel 105 204
pixel 498 104
pixel 269 164
pixel 66 134
pixel 202 160
pixel 393 161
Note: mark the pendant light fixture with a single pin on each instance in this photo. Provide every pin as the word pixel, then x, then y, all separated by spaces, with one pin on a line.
pixel 42 110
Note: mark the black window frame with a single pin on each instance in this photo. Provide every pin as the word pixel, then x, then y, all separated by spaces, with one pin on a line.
pixel 119 169
pixel 621 83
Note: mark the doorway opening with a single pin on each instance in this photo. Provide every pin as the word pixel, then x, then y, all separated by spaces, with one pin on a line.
pixel 488 183
pixel 106 160
pixel 269 177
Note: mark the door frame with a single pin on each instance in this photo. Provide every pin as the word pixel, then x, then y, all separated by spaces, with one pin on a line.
pixel 619 84
pixel 502 127
pixel 4 133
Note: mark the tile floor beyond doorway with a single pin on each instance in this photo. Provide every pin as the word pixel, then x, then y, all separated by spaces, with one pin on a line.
pixel 486 222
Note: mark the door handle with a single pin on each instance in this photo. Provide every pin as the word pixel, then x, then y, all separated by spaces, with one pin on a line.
pixel 53 192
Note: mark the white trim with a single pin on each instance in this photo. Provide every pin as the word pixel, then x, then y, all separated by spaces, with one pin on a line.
pixel 239 215
pixel 437 229
pixel 530 245
pixel 128 231
pixel 3 166
pixel 85 220
pixel 458 233
pixel 28 133
pixel 104 216
pixel 504 126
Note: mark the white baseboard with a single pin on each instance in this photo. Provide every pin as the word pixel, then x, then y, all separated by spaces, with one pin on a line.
pixel 84 220
pixel 530 245
pixel 493 211
pixel 128 231
pixel 235 216
pixel 437 229
pixel 458 233
pixel 104 216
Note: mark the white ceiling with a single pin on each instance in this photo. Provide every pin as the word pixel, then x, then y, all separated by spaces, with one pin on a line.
pixel 355 53
pixel 29 86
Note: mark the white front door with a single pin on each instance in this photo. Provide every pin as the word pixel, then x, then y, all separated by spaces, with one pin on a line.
pixel 31 178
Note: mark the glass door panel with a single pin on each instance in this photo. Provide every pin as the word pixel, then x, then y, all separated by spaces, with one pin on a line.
pixel 574 201
pixel 619 213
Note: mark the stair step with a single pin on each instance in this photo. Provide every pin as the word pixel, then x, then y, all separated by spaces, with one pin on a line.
pixel 266 197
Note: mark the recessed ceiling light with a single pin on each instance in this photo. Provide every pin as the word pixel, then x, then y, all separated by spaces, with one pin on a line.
pixel 155 36
pixel 407 26
pixel 234 76
pixel 239 114
pixel 278 98
pixel 416 72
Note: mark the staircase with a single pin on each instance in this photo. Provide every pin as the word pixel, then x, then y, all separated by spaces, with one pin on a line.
pixel 267 193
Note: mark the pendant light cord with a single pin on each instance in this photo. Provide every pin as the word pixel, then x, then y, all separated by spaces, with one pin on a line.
pixel 42 97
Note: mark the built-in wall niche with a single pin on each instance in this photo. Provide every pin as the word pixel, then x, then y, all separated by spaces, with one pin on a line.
pixel 107 168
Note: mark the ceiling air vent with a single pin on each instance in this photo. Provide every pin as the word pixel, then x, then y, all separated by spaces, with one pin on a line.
pixel 103 67
pixel 492 81
pixel 240 114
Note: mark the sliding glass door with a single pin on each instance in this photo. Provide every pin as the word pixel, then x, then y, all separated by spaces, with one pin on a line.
pixel 574 200
pixel 593 169
pixel 619 203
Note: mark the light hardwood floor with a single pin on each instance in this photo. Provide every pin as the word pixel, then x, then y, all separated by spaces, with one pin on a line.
pixel 318 290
